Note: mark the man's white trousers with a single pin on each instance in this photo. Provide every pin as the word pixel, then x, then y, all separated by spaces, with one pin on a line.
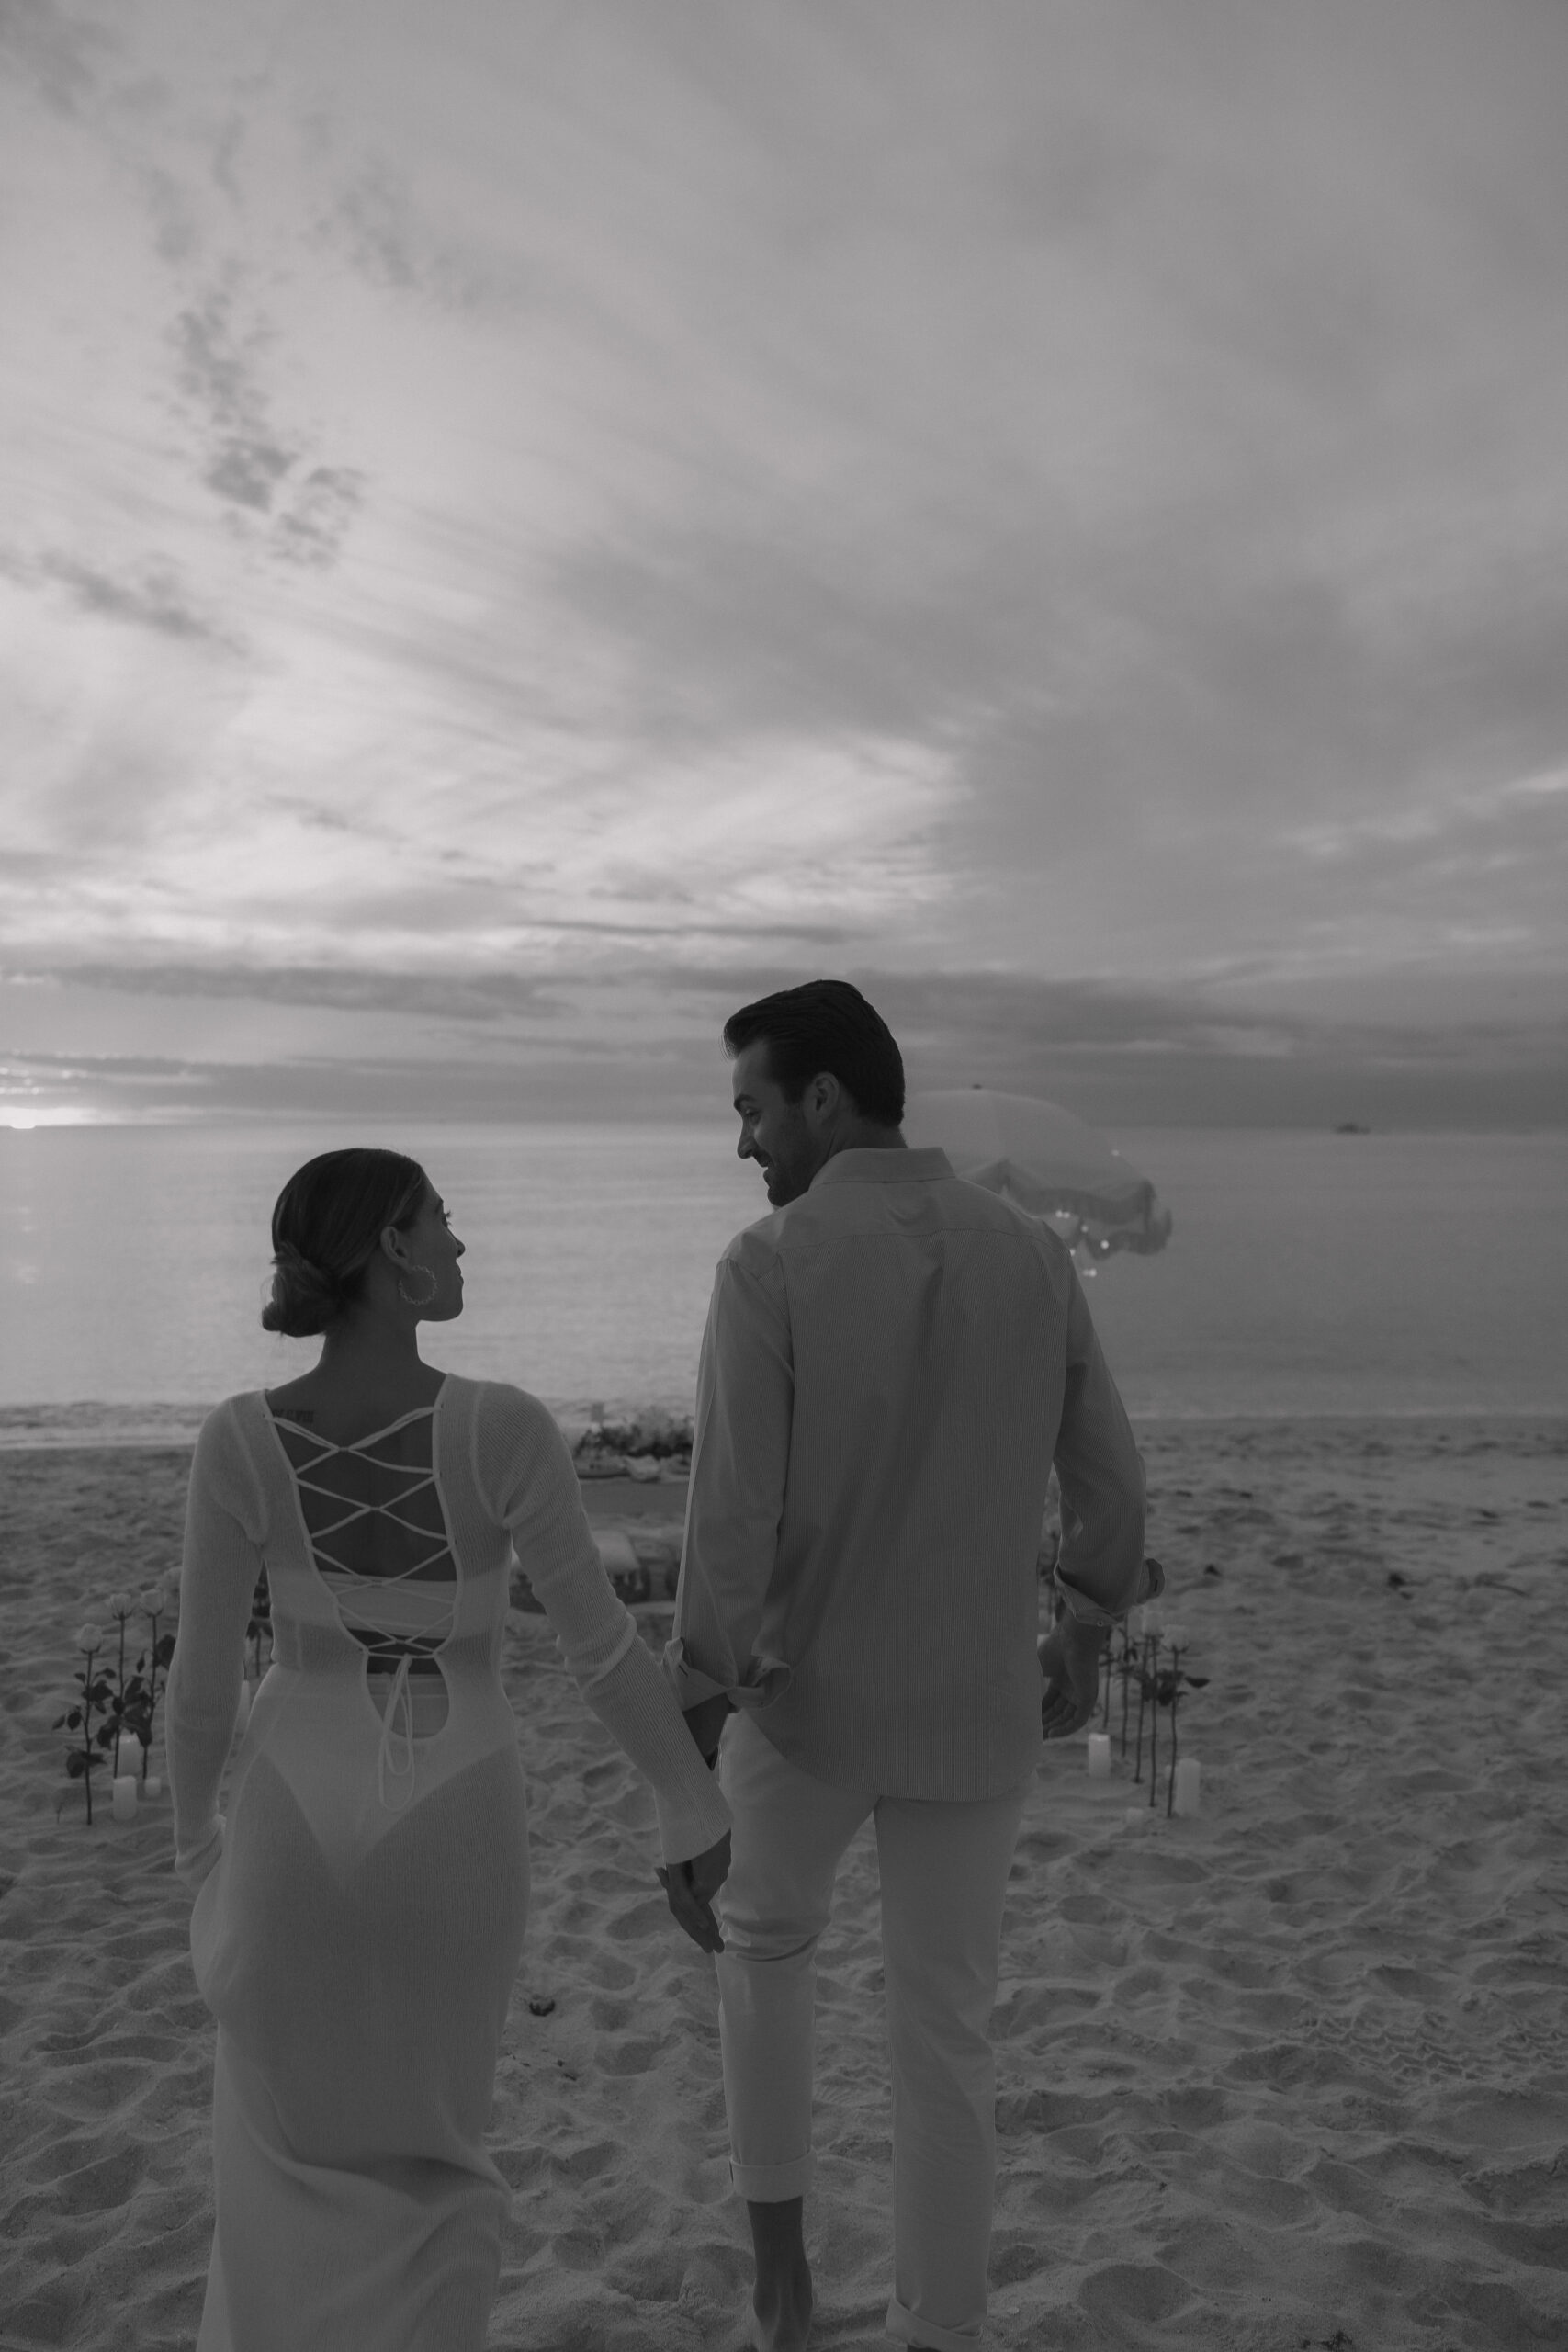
pixel 943 1868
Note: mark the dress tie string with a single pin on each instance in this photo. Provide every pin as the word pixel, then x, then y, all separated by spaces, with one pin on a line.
pixel 400 1697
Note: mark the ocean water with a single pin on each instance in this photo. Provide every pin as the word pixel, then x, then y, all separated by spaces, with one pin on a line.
pixel 1307 1273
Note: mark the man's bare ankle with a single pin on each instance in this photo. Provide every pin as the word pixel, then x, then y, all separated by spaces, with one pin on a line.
pixel 781 2321
pixel 781 2297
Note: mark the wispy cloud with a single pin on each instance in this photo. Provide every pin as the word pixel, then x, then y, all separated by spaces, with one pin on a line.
pixel 55 53
pixel 249 463
pixel 463 996
pixel 150 597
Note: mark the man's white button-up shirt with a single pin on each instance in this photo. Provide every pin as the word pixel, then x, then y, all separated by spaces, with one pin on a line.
pixel 891 1363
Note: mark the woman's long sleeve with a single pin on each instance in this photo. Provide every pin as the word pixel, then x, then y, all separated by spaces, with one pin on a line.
pixel 525 1472
pixel 218 1578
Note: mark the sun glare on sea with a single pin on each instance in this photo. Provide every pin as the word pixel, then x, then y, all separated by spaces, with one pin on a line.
pixel 22 1122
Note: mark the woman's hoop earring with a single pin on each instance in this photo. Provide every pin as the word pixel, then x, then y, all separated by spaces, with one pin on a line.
pixel 404 1292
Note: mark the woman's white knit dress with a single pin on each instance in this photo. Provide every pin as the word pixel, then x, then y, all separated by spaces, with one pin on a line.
pixel 361 1909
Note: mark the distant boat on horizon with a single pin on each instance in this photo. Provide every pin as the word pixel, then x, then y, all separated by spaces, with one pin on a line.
pixel 1349 1127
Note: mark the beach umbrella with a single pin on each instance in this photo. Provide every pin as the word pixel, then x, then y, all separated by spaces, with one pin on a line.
pixel 1045 1161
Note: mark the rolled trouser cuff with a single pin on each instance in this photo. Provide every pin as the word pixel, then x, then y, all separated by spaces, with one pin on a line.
pixel 905 2328
pixel 771 2184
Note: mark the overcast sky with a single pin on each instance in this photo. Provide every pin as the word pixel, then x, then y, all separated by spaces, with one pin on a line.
pixel 526 522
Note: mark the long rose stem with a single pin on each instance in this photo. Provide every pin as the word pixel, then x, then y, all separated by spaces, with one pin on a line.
pixel 1143 1696
pixel 87 1732
pixel 1175 1701
pixel 119 1677
pixel 1153 1723
pixel 151 1690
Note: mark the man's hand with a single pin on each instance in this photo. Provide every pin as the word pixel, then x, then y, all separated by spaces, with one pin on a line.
pixel 706 1721
pixel 1069 1660
pixel 690 1887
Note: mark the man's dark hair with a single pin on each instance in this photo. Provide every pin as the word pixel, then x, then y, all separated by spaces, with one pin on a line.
pixel 825 1025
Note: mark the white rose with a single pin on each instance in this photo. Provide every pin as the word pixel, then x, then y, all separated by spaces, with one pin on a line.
pixel 120 1604
pixel 90 1638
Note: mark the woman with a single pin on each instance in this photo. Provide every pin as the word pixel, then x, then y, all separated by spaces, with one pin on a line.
pixel 361 1909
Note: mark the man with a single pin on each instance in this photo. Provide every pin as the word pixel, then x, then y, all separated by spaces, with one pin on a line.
pixel 892 1360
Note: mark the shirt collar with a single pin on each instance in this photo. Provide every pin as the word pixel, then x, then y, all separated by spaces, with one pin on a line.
pixel 864 1165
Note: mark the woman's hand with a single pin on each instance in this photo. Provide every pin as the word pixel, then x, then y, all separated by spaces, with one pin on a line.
pixel 690 1887
pixel 1069 1660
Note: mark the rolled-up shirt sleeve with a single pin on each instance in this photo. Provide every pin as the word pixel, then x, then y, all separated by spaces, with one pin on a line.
pixel 1101 1477
pixel 740 1462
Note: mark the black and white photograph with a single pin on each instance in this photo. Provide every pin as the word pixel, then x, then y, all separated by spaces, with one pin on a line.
pixel 784 1175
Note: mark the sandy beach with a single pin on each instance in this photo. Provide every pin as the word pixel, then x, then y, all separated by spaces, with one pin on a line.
pixel 1293 2072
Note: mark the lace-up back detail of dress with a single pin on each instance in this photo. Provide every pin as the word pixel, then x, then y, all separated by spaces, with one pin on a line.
pixel 381 1544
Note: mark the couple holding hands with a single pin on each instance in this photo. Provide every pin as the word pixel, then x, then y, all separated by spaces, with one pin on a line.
pixel 893 1360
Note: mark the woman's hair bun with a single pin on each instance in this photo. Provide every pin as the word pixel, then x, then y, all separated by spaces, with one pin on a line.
pixel 326 1227
pixel 304 1297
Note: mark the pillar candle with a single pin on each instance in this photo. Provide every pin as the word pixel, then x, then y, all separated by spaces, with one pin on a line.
pixel 1135 1816
pixel 124 1800
pixel 152 1786
pixel 130 1756
pixel 1186 1779
pixel 1100 1756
